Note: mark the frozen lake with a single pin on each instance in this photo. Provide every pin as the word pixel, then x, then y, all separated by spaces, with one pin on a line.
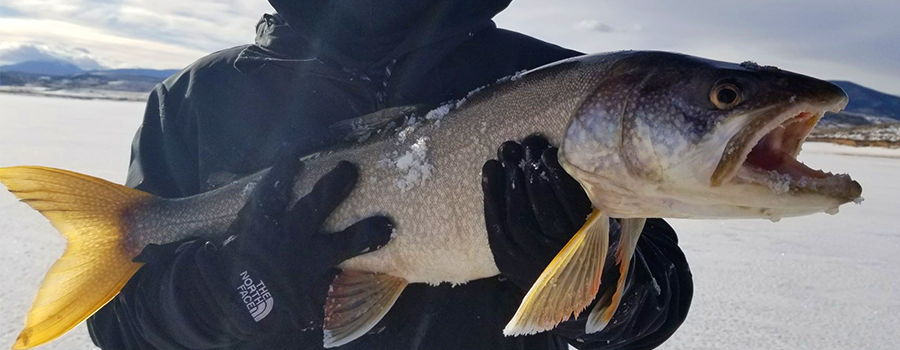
pixel 818 282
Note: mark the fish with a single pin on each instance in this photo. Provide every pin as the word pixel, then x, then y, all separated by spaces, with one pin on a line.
pixel 646 133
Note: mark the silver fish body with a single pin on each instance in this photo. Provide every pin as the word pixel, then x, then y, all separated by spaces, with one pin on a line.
pixel 646 134
pixel 630 129
pixel 425 177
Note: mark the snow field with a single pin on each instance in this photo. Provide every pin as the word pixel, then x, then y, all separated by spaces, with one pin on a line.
pixel 88 136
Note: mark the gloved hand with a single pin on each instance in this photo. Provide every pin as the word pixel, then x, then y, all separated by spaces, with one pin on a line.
pixel 532 207
pixel 275 268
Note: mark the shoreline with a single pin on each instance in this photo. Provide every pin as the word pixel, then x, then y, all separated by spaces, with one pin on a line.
pixel 108 95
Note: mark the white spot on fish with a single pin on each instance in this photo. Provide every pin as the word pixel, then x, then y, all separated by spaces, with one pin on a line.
pixel 778 182
pixel 413 166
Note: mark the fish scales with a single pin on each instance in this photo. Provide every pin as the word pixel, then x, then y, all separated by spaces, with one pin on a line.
pixel 441 235
pixel 646 134
pixel 439 218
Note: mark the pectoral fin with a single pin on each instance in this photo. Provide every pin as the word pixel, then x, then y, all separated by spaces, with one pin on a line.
pixel 568 284
pixel 356 302
pixel 606 307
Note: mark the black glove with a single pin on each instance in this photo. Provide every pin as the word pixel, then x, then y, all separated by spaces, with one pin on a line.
pixel 532 207
pixel 275 268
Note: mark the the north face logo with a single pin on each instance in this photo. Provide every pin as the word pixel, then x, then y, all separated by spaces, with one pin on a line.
pixel 256 297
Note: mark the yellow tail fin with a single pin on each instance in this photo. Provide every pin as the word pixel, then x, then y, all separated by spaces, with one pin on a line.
pixel 88 212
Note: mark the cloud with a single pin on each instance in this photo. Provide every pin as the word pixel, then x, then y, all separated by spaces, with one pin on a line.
pixel 6 11
pixel 20 52
pixel 207 25
pixel 593 26
pixel 108 49
pixel 858 40
pixel 832 39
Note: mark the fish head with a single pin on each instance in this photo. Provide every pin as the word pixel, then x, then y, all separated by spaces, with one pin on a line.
pixel 671 135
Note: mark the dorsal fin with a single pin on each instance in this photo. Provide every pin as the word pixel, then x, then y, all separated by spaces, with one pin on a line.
pixel 372 123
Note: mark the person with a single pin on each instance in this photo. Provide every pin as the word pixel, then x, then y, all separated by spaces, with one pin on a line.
pixel 314 63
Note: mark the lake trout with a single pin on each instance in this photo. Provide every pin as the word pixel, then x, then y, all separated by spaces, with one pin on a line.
pixel 646 134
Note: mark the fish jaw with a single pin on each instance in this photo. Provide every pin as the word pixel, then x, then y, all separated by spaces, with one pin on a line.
pixel 689 188
pixel 759 165
pixel 663 152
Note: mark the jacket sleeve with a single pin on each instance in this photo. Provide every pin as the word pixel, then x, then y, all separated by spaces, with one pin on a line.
pixel 162 162
pixel 166 305
pixel 158 308
pixel 656 300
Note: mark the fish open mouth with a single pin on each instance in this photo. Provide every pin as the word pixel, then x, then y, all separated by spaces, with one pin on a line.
pixel 777 150
pixel 766 151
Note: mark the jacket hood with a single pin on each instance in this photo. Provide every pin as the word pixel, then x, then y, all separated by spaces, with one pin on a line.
pixel 362 33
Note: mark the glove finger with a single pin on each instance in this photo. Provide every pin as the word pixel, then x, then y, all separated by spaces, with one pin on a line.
pixel 311 211
pixel 492 184
pixel 521 226
pixel 549 213
pixel 569 192
pixel 511 152
pixel 534 145
pixel 271 195
pixel 281 175
pixel 520 220
pixel 265 210
pixel 364 236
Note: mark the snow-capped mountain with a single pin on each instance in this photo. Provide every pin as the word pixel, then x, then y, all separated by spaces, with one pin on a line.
pixel 44 67
pixel 60 78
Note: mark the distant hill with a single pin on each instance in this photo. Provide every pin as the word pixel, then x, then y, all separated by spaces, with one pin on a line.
pixel 866 101
pixel 11 79
pixel 60 68
pixel 63 78
pixel 154 73
pixel 866 107
pixel 43 67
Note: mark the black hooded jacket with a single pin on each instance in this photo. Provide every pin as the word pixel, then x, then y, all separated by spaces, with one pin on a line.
pixel 228 114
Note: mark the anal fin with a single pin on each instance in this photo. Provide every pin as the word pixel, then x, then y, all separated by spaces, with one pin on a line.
pixel 605 309
pixel 569 284
pixel 356 302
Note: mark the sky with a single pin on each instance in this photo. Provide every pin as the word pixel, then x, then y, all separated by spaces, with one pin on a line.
pixel 830 39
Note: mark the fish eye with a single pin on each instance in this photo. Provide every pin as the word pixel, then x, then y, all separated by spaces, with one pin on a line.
pixel 725 96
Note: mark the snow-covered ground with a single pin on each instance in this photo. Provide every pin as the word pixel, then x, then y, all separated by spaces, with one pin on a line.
pixel 84 93
pixel 90 136
pixel 818 282
pixel 815 282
